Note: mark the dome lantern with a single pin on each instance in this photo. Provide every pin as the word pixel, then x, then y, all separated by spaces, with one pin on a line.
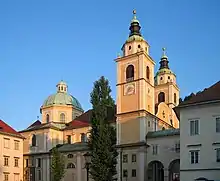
pixel 62 87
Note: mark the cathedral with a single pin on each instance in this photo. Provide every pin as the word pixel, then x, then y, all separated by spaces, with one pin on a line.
pixel 145 119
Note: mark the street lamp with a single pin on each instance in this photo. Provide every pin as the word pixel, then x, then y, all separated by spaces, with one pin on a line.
pixel 87 157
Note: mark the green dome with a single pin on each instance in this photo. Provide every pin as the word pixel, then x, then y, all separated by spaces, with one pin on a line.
pixel 165 71
pixel 62 98
pixel 134 38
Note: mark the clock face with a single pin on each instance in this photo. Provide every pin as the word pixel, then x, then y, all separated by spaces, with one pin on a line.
pixel 129 89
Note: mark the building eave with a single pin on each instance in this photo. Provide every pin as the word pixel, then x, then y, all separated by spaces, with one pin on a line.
pixel 13 135
pixel 197 104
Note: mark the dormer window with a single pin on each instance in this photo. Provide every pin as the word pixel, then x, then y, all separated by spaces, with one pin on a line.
pixel 130 73
pixel 83 138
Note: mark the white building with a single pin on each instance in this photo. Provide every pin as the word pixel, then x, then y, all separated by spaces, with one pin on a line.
pixel 199 135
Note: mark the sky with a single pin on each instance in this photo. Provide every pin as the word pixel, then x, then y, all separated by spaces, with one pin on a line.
pixel 44 41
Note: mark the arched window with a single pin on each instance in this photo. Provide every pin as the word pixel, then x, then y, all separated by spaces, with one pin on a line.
pixel 83 137
pixel 130 73
pixel 47 118
pixel 70 156
pixel 34 140
pixel 174 96
pixel 70 165
pixel 161 97
pixel 62 118
pixel 148 72
pixel 163 128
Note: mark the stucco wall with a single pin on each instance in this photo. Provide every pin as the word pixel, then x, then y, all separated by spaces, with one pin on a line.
pixel 207 166
pixel 11 153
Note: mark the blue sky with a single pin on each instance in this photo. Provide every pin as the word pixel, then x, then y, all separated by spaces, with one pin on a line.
pixel 42 42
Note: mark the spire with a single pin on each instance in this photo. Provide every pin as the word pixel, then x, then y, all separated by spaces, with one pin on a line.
pixel 164 63
pixel 134 27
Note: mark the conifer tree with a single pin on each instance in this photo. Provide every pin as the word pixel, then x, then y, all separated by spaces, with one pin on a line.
pixel 57 165
pixel 103 135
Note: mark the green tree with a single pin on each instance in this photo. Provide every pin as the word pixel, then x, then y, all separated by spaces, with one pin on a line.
pixel 57 165
pixel 103 136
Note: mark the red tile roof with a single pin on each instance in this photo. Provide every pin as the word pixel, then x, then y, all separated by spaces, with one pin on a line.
pixel 4 128
pixel 207 95
pixel 77 124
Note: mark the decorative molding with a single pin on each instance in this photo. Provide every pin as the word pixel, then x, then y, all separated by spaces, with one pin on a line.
pixel 194 145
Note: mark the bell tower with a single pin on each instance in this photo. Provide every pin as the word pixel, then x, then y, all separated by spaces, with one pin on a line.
pixel 166 89
pixel 135 86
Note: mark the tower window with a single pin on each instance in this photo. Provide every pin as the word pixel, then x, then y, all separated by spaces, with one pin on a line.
pixel 129 47
pixel 168 77
pixel 174 96
pixel 62 118
pixel 34 140
pixel 139 46
pixel 161 78
pixel 148 72
pixel 161 97
pixel 130 73
pixel 62 88
pixel 48 118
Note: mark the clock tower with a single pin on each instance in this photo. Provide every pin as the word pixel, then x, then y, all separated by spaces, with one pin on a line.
pixel 135 87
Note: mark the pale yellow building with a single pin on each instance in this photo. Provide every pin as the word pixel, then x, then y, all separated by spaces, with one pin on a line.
pixel 145 104
pixel 11 154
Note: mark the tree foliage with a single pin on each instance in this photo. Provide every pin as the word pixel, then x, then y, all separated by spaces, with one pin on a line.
pixel 103 135
pixel 57 165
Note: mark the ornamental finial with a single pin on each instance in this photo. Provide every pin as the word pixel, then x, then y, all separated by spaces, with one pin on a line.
pixel 134 12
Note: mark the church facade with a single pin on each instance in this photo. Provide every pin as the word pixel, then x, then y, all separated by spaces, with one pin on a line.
pixel 147 125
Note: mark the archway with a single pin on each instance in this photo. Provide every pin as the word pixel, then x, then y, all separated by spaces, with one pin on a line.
pixel 174 170
pixel 155 171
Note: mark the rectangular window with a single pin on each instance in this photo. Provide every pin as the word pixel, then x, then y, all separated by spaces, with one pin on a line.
pixel 194 127
pixel 217 125
pixel 148 123
pixel 125 158
pixel 6 142
pixel 6 176
pixel 133 173
pixel 155 149
pixel 133 158
pixel 16 162
pixel 69 139
pixel 26 161
pixel 194 156
pixel 39 174
pixel 125 173
pixel 6 160
pixel 16 144
pixel 177 147
pixel 16 177
pixel 39 162
pixel 218 155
